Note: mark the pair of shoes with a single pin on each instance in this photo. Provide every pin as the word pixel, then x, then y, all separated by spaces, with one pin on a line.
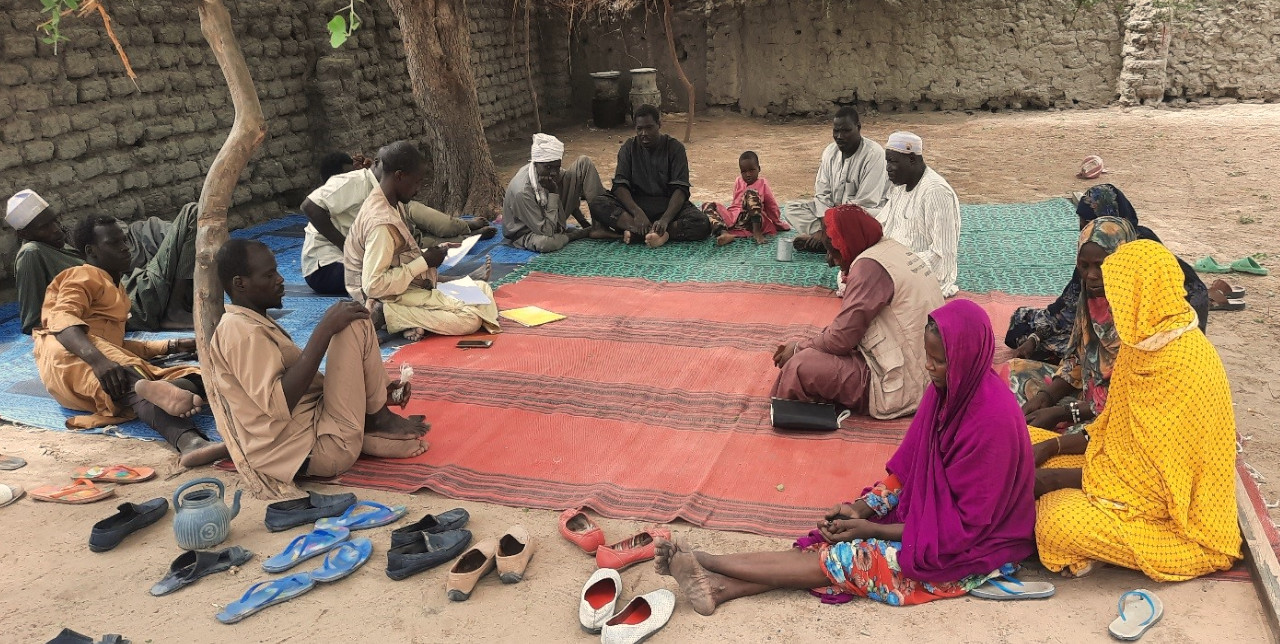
pixel 578 528
pixel 132 517
pixel 643 616
pixel 510 554
pixel 283 515
pixel 1242 265
pixel 1224 296
pixel 427 543
pixel 341 561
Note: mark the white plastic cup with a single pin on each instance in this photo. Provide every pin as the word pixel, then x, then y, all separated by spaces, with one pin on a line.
pixel 785 250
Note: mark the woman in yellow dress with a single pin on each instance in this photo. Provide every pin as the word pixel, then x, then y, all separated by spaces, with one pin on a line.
pixel 1150 484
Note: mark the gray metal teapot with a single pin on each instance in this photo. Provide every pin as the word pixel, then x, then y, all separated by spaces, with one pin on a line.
pixel 201 518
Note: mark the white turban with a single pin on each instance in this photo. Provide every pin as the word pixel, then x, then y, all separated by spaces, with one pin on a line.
pixel 546 148
pixel 906 143
pixel 24 207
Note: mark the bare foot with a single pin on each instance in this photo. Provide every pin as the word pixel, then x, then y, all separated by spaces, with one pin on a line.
pixel 695 582
pixel 487 232
pixel 413 335
pixel 385 424
pixel 662 551
pixel 626 237
pixel 724 239
pixel 393 448
pixel 196 450
pixel 759 237
pixel 654 240
pixel 484 272
pixel 600 232
pixel 173 399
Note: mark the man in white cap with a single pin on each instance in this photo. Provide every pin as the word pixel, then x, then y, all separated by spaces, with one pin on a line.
pixel 158 280
pixel 923 212
pixel 851 172
pixel 332 207
pixel 543 195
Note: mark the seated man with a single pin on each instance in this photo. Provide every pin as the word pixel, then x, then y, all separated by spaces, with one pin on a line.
pixel 333 206
pixel 650 196
pixel 87 364
pixel 923 212
pixel 534 220
pixel 286 418
pixel 158 278
pixel 851 171
pixel 384 263
pixel 871 358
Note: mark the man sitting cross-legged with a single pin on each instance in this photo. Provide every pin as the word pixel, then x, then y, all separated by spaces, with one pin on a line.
pixel 384 263
pixel 851 172
pixel 87 364
pixel 542 196
pixel 286 418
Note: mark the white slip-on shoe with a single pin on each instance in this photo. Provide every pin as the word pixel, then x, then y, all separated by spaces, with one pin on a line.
pixel 643 616
pixel 599 597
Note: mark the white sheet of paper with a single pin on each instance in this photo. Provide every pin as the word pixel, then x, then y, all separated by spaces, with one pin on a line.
pixel 465 289
pixel 455 255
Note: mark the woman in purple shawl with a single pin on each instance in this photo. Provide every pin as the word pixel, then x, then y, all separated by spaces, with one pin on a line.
pixel 955 510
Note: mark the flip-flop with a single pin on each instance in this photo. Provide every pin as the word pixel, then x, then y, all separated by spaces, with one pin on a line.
pixel 10 463
pixel 343 560
pixel 194 564
pixel 264 594
pixel 1249 265
pixel 1211 265
pixel 1139 610
pixel 1228 289
pixel 1007 588
pixel 9 494
pixel 304 547
pixel 81 491
pixel 114 474
pixel 374 515
pixel 1228 304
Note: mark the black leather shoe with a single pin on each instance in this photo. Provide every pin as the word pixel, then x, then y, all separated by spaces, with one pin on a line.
pixel 283 515
pixel 132 517
pixel 432 523
pixel 426 551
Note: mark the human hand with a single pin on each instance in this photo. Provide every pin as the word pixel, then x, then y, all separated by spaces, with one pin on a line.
pixel 783 353
pixel 436 254
pixel 1038 401
pixel 113 377
pixel 340 316
pixel 659 227
pixel 1048 417
pixel 1025 349
pixel 360 161
pixel 184 345
pixel 838 530
pixel 840 511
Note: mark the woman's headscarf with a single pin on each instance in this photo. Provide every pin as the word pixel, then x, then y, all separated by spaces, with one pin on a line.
pixel 1106 200
pixel 1107 232
pixel 1162 455
pixel 852 231
pixel 965 464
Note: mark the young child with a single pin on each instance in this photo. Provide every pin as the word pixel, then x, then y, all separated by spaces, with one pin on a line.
pixel 754 211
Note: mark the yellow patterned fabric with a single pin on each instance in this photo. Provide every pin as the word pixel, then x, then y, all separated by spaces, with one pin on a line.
pixel 1159 473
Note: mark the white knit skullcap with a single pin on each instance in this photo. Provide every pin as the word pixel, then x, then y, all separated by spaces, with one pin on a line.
pixel 24 207
pixel 906 143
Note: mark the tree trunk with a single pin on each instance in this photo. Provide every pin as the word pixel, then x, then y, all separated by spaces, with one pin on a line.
pixel 437 47
pixel 675 58
pixel 247 133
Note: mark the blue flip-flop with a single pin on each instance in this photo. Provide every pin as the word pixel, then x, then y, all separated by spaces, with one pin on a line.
pixel 1139 610
pixel 364 515
pixel 305 547
pixel 1007 587
pixel 344 559
pixel 264 594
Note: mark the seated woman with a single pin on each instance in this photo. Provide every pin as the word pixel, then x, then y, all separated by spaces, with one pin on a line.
pixel 1155 488
pixel 1043 334
pixel 956 509
pixel 1049 393
pixel 881 322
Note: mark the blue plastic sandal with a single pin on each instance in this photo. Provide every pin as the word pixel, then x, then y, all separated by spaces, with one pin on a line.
pixel 1139 610
pixel 264 594
pixel 363 515
pixel 305 547
pixel 344 559
pixel 1008 587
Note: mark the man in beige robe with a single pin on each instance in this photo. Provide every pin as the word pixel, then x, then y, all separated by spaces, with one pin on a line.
pixel 286 419
pixel 383 262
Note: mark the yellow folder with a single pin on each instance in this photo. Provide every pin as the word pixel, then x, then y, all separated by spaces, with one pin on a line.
pixel 531 316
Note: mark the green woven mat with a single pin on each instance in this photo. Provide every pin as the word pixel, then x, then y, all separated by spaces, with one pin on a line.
pixel 1023 249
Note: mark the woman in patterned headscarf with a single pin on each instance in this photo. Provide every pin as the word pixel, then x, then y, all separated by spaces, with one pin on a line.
pixel 1045 333
pixel 1076 391
pixel 1151 484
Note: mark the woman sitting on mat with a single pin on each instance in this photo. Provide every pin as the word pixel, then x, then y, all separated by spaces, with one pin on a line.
pixel 1155 487
pixel 956 508
pixel 888 296
pixel 1043 334
pixel 1068 396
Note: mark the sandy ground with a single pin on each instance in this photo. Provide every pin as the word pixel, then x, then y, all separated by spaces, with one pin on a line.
pixel 1203 179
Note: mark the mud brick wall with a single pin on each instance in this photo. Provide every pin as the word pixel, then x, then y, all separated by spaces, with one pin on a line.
pixel 1228 51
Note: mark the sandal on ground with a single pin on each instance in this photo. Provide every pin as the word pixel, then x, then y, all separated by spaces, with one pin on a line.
pixel 1139 610
pixel 1007 587
pixel 264 594
pixel 191 565
pixel 81 491
pixel 1228 289
pixel 9 494
pixel 343 560
pixel 1249 265
pixel 1220 301
pixel 316 542
pixel 114 474
pixel 364 515
pixel 10 463
pixel 1211 265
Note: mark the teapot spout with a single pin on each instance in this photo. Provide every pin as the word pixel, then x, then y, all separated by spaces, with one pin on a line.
pixel 235 504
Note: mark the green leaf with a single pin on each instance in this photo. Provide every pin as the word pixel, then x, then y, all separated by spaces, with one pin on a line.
pixel 49 5
pixel 49 40
pixel 73 4
pixel 337 32
pixel 355 22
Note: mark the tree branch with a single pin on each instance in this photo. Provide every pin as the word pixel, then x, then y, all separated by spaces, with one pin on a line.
pixel 688 86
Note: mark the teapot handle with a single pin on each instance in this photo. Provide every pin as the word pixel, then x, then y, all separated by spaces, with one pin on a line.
pixel 177 494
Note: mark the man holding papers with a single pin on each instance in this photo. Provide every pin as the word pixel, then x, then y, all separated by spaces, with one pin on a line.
pixel 386 268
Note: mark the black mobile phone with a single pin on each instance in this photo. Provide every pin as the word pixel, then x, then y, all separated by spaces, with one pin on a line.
pixel 474 344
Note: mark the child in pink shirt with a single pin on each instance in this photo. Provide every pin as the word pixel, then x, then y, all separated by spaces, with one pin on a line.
pixel 754 211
